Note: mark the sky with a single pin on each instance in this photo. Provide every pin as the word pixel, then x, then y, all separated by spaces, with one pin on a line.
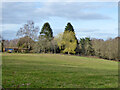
pixel 89 19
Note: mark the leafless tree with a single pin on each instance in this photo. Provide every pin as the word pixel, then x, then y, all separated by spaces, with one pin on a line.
pixel 28 30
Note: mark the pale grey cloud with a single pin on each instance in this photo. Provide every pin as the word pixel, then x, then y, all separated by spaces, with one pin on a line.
pixel 16 14
pixel 21 12
pixel 77 11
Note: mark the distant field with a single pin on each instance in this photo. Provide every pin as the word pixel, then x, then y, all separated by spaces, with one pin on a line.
pixel 57 71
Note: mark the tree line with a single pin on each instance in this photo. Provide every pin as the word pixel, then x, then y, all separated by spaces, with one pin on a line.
pixel 66 42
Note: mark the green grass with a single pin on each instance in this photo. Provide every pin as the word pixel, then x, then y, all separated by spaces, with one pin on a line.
pixel 57 71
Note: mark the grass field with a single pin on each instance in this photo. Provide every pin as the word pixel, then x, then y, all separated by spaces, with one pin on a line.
pixel 57 71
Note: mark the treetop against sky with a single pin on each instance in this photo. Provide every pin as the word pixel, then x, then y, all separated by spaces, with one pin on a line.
pixel 89 19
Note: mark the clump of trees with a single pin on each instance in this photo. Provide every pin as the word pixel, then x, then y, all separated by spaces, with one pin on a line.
pixel 28 34
pixel 86 47
pixel 106 49
pixel 45 42
pixel 65 42
pixel 26 43
pixel 10 43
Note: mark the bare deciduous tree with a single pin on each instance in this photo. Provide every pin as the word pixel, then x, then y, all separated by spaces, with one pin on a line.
pixel 28 30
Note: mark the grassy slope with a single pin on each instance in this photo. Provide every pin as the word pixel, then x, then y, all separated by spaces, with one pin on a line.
pixel 49 70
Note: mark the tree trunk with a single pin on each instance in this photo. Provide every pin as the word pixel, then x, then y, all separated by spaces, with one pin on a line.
pixel 44 50
pixel 68 53
pixel 54 50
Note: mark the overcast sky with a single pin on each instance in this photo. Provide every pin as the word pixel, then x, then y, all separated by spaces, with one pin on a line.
pixel 89 19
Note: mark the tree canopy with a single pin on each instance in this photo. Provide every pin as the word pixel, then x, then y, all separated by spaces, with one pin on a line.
pixel 46 31
pixel 28 30
pixel 67 42
pixel 69 27
pixel 25 42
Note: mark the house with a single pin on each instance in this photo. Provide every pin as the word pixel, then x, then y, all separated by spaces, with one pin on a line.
pixel 14 49
pixel 10 50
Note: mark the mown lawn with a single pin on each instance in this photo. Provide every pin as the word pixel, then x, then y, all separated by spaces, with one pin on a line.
pixel 57 71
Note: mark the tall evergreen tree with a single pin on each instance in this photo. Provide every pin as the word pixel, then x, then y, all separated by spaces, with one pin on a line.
pixel 82 46
pixel 46 31
pixel 69 27
pixel 86 46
